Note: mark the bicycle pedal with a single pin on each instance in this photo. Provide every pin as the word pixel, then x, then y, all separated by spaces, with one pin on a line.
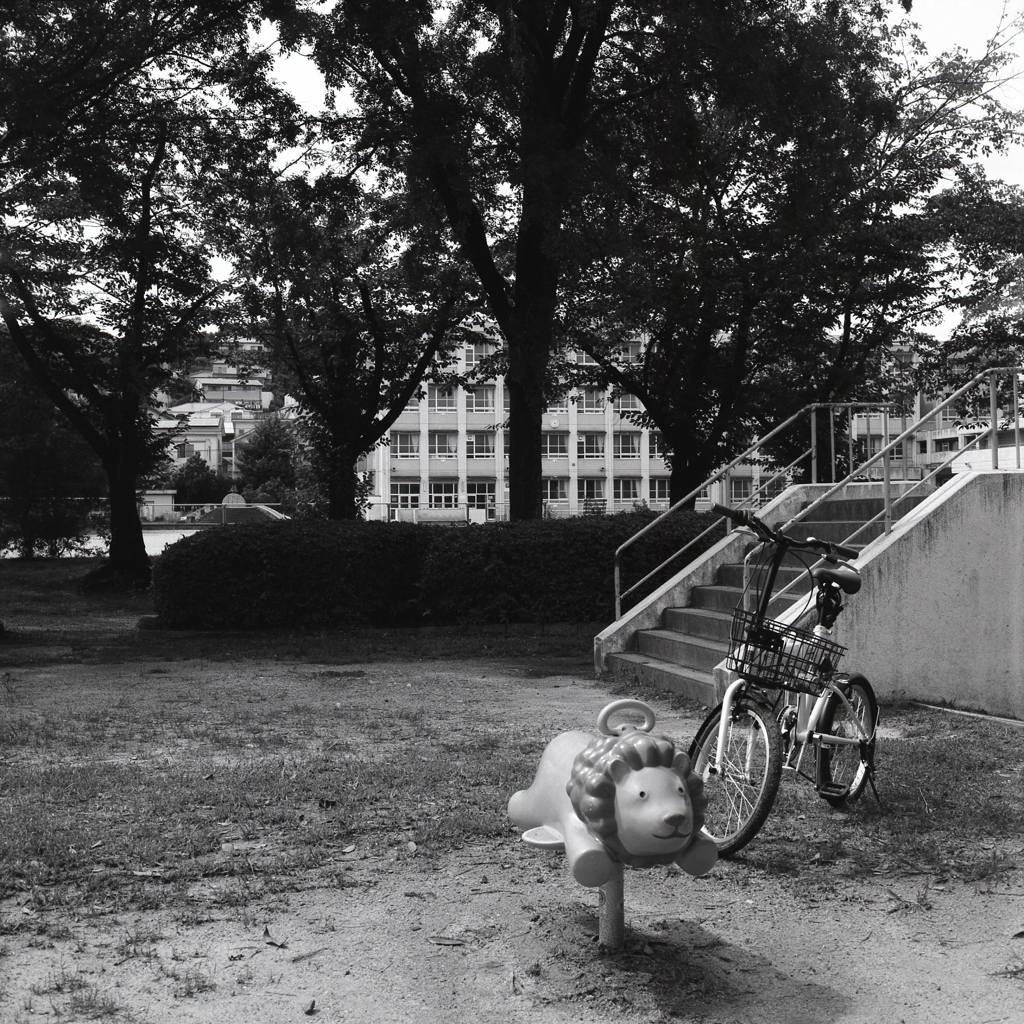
pixel 832 789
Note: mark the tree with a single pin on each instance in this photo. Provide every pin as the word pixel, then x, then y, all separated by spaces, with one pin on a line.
pixel 51 486
pixel 484 112
pixel 195 482
pixel 352 306
pixel 783 240
pixel 104 283
pixel 266 456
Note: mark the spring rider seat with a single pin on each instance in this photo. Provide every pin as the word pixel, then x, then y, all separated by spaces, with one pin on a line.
pixel 627 796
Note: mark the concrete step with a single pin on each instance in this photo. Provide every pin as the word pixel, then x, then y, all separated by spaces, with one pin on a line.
pixel 700 622
pixel 714 598
pixel 688 651
pixel 725 599
pixel 836 530
pixel 732 575
pixel 861 509
pixel 641 668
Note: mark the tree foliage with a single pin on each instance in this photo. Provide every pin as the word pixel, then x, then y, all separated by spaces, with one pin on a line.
pixel 352 303
pixel 104 282
pixel 487 113
pixel 781 238
pixel 51 485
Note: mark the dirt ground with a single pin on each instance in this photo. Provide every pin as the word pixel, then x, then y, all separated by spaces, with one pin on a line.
pixel 498 933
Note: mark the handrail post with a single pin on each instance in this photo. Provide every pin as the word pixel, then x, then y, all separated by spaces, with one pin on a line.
pixel 849 438
pixel 814 444
pixel 886 473
pixel 832 439
pixel 993 435
pixel 1016 418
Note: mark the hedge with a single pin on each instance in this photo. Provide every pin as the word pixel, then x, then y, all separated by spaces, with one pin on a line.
pixel 394 574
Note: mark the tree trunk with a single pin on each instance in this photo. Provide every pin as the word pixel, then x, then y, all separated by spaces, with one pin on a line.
pixel 341 491
pixel 525 382
pixel 127 560
pixel 687 472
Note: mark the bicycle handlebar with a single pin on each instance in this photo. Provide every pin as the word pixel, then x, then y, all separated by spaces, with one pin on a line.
pixel 832 551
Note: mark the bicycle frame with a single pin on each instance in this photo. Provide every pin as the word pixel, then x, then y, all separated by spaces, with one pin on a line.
pixel 809 711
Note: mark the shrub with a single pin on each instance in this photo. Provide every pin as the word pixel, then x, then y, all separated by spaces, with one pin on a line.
pixel 292 574
pixel 305 574
pixel 550 570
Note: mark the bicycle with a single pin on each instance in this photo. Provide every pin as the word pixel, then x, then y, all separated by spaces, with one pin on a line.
pixel 787 698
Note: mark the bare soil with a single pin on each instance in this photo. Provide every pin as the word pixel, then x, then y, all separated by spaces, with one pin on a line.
pixel 492 931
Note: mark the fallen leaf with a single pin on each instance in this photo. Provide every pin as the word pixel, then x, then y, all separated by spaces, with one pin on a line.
pixel 311 1009
pixel 441 940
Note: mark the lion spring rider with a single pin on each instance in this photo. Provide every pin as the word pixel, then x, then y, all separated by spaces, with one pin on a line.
pixel 624 797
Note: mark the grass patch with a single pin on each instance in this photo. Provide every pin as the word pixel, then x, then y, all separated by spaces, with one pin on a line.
pixel 106 806
pixel 951 803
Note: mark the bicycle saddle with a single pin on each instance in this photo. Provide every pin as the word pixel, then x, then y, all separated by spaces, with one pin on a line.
pixel 846 579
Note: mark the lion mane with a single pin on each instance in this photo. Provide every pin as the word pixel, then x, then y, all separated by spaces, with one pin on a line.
pixel 591 788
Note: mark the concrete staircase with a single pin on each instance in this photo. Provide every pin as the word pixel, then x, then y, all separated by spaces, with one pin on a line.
pixel 681 654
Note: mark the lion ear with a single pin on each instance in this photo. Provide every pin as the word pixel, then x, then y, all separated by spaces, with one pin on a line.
pixel 618 770
pixel 681 764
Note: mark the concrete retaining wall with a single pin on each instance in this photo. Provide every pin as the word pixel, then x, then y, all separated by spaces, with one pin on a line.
pixel 940 616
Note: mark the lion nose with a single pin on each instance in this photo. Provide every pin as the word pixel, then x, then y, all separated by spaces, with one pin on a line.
pixel 675 820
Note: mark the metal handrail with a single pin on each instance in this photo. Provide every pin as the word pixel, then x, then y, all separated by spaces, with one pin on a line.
pixel 883 455
pixel 685 500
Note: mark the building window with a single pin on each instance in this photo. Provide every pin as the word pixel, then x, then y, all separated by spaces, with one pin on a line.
pixel 946 444
pixel 627 403
pixel 659 488
pixel 185 450
pixel 634 352
pixel 740 489
pixel 444 494
pixel 480 445
pixel 627 445
pixel 590 488
pixel 444 444
pixel 405 493
pixel 626 488
pixel 554 446
pixel 656 445
pixel 558 405
pixel 555 488
pixel 480 493
pixel 440 399
pixel 405 444
pixel 413 404
pixel 593 401
pixel 772 488
pixel 480 400
pixel 585 359
pixel 477 352
pixel 590 446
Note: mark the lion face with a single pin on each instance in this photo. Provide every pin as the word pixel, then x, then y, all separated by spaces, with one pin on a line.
pixel 637 794
pixel 653 811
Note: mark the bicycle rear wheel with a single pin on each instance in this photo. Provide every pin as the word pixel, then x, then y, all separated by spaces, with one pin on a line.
pixel 741 794
pixel 843 771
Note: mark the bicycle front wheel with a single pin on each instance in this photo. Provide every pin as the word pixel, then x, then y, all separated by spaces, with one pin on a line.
pixel 843 771
pixel 741 792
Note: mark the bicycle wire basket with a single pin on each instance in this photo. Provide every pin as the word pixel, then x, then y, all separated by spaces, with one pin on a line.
pixel 778 656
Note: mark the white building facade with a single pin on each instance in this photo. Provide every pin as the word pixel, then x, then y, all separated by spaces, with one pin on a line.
pixel 449 450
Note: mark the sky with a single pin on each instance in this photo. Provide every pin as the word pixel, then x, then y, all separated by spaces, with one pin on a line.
pixel 945 24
